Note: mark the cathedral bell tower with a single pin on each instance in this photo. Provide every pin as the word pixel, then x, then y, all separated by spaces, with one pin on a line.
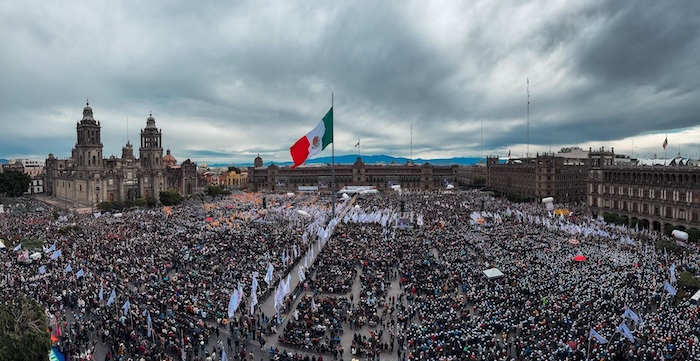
pixel 150 157
pixel 88 149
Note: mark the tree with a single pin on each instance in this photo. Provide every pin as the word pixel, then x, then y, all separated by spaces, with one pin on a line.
pixel 214 190
pixel 151 202
pixel 23 327
pixel 170 198
pixel 14 182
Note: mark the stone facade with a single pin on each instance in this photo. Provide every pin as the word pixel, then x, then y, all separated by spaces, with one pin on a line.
pixel 87 178
pixel 652 197
pixel 381 177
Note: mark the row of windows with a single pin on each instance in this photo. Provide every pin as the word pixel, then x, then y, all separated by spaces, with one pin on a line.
pixel 663 194
pixel 649 177
pixel 668 212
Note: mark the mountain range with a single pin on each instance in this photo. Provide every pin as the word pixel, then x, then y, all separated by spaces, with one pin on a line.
pixel 369 159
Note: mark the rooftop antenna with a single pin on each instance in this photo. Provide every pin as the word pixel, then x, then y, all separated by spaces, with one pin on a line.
pixel 127 130
pixel 528 117
pixel 411 145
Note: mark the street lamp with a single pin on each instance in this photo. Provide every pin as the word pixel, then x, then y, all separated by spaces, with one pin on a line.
pixel 97 195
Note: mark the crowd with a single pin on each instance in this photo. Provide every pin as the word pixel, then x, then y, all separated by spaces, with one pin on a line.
pixel 401 277
pixel 155 283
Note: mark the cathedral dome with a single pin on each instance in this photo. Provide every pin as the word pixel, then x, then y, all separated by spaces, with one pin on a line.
pixel 169 160
pixel 87 114
pixel 150 121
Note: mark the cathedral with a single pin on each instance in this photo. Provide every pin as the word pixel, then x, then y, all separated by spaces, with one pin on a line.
pixel 87 178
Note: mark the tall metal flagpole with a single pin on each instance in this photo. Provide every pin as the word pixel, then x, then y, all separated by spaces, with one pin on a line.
pixel 332 162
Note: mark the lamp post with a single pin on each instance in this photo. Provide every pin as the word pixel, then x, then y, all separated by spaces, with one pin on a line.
pixel 97 195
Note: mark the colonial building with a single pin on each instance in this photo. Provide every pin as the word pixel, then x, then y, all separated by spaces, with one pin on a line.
pixel 658 197
pixel 86 178
pixel 381 177
pixel 562 176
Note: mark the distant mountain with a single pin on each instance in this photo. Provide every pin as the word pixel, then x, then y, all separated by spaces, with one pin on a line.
pixel 368 159
pixel 4 161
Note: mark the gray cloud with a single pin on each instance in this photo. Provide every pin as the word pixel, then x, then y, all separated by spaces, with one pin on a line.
pixel 229 80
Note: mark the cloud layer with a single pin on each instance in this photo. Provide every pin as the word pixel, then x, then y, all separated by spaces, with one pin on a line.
pixel 229 80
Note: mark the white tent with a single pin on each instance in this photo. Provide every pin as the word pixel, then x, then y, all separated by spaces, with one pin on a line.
pixel 493 273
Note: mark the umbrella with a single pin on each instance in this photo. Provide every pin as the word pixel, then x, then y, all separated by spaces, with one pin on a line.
pixel 579 258
pixel 573 241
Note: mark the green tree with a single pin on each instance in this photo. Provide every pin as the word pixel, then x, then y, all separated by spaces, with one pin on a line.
pixel 14 182
pixel 688 281
pixel 105 206
pixel 151 202
pixel 170 198
pixel 214 190
pixel 23 327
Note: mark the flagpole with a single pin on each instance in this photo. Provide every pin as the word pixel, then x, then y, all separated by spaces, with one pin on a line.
pixel 665 146
pixel 332 163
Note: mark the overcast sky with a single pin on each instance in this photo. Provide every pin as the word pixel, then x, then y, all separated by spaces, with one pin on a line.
pixel 227 80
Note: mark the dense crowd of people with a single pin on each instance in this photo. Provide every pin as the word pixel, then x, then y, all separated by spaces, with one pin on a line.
pixel 401 277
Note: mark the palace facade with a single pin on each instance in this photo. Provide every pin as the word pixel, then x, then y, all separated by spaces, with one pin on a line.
pixel 379 176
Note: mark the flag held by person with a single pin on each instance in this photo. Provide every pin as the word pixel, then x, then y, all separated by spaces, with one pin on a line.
pixel 669 289
pixel 269 274
pixel 101 294
pixel 79 274
pixel 56 254
pixel 630 314
pixel 42 270
pixel 17 247
pixel 598 337
pixel 625 331
pixel 112 297
pixel 148 325
pixel 314 141
pixel 68 268
pixel 224 357
pixel 126 306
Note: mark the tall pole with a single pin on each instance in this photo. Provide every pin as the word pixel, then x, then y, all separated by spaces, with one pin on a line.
pixel 481 142
pixel 411 144
pixel 528 118
pixel 332 163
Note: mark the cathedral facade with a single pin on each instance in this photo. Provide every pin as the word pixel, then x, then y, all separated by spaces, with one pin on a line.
pixel 87 178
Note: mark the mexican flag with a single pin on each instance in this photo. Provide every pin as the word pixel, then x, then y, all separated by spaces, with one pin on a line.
pixel 314 141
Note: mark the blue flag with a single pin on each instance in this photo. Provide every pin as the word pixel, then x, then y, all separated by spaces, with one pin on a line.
pixel 597 336
pixel 80 274
pixel 632 316
pixel 102 292
pixel 126 306
pixel 625 331
pixel 669 289
pixel 56 254
pixel 42 269
pixel 68 268
pixel 112 296
pixel 224 357
pixel 148 325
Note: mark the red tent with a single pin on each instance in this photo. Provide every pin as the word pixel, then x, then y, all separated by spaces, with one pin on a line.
pixel 579 258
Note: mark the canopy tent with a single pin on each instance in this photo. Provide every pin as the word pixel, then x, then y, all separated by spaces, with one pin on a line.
pixel 493 273
pixel 579 258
